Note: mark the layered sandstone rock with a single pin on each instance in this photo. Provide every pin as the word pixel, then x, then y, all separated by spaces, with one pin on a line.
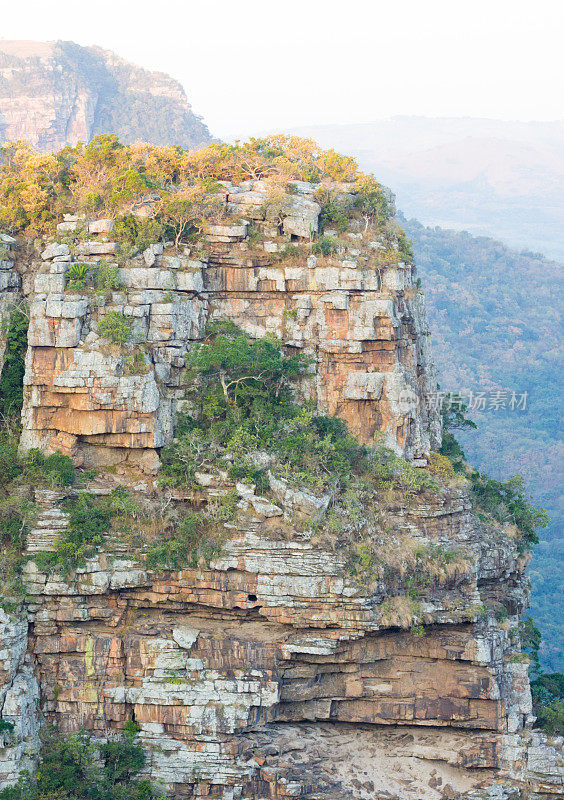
pixel 54 94
pixel 276 671
pixel 357 313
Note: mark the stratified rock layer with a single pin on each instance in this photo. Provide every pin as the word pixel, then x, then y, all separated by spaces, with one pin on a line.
pixel 357 313
pixel 246 677
pixel 273 672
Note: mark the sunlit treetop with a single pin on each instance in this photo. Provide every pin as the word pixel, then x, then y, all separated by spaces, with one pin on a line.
pixel 107 177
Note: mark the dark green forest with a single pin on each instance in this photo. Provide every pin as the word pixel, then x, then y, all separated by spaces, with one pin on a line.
pixel 496 322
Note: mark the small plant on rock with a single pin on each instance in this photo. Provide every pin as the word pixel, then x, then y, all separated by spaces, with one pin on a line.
pixel 107 278
pixel 55 469
pixel 136 363
pixel 441 466
pixel 193 542
pixel 326 245
pixel 76 277
pixel 115 327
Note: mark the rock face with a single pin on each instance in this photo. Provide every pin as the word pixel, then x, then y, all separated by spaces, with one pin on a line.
pixel 275 674
pixel 274 671
pixel 59 93
pixel 357 313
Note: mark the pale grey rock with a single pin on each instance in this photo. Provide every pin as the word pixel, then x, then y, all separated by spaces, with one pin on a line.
pixel 299 499
pixel 67 226
pixel 261 505
pixel 97 248
pixel 185 636
pixel 303 218
pixel 229 231
pixel 43 332
pixel 104 226
pixel 55 249
pixel 46 283
pixel 364 385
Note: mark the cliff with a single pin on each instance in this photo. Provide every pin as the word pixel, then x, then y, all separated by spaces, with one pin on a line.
pixel 319 636
pixel 54 94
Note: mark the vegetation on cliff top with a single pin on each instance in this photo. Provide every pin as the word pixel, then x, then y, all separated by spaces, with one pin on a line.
pixel 108 177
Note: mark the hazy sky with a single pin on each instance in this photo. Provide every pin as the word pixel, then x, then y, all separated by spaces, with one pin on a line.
pixel 257 65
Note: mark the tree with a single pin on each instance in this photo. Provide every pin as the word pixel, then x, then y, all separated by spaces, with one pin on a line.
pixel 239 378
pixel 189 209
pixel 374 205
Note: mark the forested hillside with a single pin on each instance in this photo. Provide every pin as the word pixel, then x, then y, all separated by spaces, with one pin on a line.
pixel 496 325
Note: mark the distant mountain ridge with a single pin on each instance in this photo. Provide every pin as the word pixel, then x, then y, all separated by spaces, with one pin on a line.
pixel 490 177
pixel 58 93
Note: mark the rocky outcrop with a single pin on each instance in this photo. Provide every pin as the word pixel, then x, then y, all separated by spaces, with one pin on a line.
pixel 276 670
pixel 275 673
pixel 58 93
pixel 19 700
pixel 357 313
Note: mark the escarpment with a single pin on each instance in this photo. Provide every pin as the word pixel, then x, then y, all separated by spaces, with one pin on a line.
pixel 54 94
pixel 327 645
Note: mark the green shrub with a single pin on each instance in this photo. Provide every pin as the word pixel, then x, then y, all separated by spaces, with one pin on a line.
pixel 115 327
pixel 59 469
pixel 391 471
pixel 441 466
pixel 234 380
pixel 451 449
pixel 137 234
pixel 89 522
pixel 548 702
pixel 192 543
pixel 506 501
pixel 91 202
pixel 136 363
pixel 76 277
pixel 10 465
pixel 405 248
pixel 11 378
pixel 107 277
pixel 334 215
pixel 317 448
pixel 76 767
pixel 55 469
pixel 12 527
pixel 16 513
pixel 326 246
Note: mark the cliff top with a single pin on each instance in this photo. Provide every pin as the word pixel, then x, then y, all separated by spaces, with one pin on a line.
pixel 107 177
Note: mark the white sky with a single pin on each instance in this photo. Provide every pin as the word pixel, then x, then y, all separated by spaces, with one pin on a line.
pixel 258 65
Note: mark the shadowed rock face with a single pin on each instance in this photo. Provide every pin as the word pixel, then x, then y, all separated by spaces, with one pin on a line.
pixel 59 93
